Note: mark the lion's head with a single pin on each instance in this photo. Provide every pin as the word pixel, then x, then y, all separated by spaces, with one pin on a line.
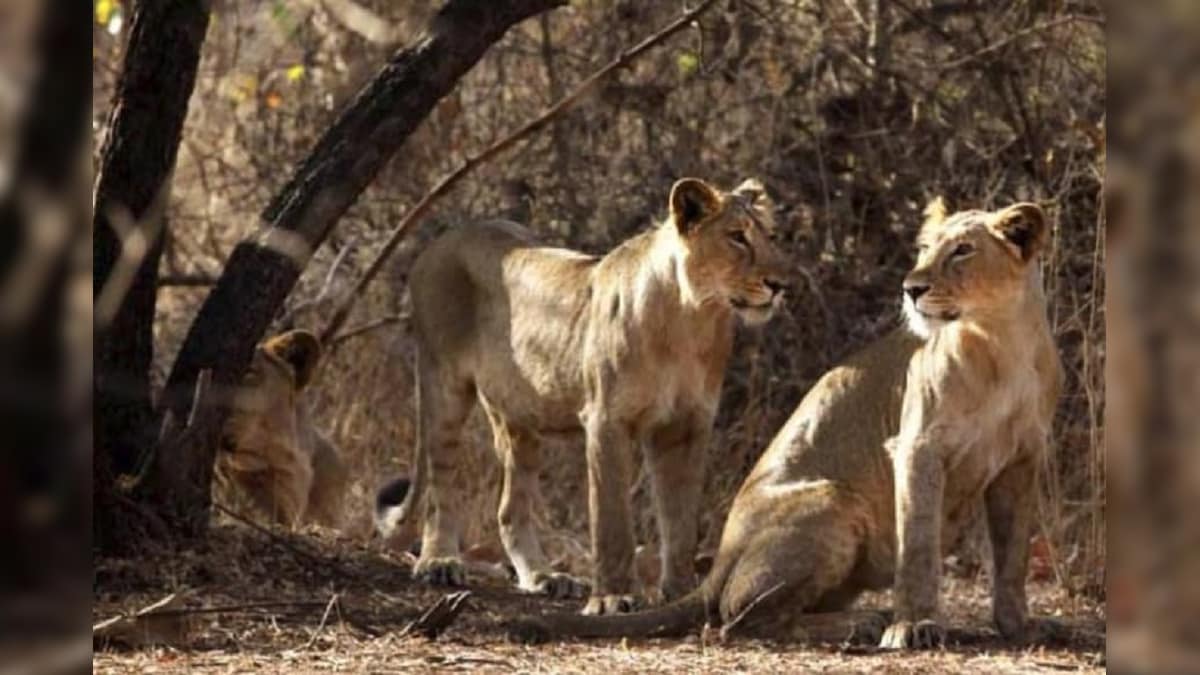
pixel 261 444
pixel 972 264
pixel 729 252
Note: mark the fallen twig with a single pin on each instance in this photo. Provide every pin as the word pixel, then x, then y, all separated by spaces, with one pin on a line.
pixel 727 630
pixel 444 185
pixel 155 624
pixel 324 618
pixel 242 607
pixel 439 616
pixel 451 661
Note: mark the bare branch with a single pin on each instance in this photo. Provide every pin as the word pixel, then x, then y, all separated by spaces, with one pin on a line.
pixel 366 327
pixel 1009 39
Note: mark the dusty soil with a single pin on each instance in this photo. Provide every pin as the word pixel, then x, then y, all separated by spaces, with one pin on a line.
pixel 252 601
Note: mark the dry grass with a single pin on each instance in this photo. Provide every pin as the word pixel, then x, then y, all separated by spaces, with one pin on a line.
pixel 375 601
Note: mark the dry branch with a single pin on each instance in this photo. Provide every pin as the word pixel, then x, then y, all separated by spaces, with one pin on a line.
pixel 365 327
pixel 435 620
pixel 333 600
pixel 444 185
pixel 326 285
pixel 161 623
pixel 1009 39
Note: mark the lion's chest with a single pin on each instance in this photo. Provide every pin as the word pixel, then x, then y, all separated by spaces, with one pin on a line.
pixel 1001 429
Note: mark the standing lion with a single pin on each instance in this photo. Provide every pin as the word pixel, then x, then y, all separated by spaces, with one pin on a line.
pixel 630 348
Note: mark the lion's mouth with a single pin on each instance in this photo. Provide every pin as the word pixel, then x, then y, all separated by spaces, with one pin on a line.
pixel 744 305
pixel 755 313
pixel 942 315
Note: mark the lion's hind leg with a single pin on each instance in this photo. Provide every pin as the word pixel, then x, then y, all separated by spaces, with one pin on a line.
pixel 444 402
pixel 794 580
pixel 519 452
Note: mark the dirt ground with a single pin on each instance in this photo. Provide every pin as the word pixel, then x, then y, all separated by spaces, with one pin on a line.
pixel 256 601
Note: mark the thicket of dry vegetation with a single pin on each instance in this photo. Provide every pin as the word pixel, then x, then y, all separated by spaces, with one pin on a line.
pixel 854 113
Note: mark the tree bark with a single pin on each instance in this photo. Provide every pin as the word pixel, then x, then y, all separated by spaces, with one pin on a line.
pixel 263 269
pixel 136 163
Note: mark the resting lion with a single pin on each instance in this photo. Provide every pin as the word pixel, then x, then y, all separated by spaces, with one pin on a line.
pixel 629 347
pixel 871 481
pixel 270 455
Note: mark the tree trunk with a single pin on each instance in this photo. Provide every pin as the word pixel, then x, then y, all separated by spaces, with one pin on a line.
pixel 262 270
pixel 136 162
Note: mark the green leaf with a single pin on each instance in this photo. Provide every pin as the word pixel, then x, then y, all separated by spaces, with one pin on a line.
pixel 688 63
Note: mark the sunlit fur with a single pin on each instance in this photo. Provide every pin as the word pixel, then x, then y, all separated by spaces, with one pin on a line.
pixel 987 281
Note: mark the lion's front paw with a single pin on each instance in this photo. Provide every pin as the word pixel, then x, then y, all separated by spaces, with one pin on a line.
pixel 441 572
pixel 924 634
pixel 612 604
pixel 559 586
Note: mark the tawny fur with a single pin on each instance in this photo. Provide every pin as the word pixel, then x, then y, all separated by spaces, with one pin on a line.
pixel 629 348
pixel 271 457
pixel 828 511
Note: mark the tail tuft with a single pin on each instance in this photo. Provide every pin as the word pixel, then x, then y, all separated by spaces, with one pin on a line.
pixel 389 506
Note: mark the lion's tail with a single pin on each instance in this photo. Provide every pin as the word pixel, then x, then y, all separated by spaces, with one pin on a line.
pixel 389 503
pixel 397 502
pixel 675 619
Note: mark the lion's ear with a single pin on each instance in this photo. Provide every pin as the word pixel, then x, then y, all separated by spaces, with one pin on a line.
pixel 935 214
pixel 692 200
pixel 751 190
pixel 1023 227
pixel 298 348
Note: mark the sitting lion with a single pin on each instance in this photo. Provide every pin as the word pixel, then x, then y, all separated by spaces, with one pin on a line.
pixel 629 347
pixel 271 456
pixel 873 478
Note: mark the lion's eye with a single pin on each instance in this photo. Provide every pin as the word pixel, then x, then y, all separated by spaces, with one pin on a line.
pixel 738 237
pixel 962 250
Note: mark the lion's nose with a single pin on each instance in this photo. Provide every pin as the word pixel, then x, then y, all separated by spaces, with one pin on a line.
pixel 776 286
pixel 915 289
